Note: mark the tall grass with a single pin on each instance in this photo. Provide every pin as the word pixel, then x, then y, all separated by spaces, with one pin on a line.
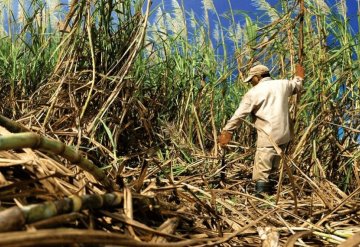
pixel 27 51
pixel 327 121
pixel 117 84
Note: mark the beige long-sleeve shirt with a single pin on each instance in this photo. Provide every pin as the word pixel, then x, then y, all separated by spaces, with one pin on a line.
pixel 268 101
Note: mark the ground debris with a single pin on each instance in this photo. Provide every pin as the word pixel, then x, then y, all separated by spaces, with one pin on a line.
pixel 43 195
pixel 46 197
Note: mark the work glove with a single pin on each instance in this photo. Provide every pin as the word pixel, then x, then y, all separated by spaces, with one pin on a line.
pixel 299 71
pixel 224 138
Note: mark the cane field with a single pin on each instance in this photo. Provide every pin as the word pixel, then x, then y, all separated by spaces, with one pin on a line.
pixel 110 112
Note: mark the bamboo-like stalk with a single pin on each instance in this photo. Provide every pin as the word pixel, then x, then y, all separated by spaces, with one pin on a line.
pixel 12 125
pixel 35 141
pixel 89 24
pixel 15 218
pixel 137 44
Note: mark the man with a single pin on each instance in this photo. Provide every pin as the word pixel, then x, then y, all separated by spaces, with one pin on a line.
pixel 267 100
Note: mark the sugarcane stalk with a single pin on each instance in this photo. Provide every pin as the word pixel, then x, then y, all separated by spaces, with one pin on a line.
pixel 60 237
pixel 11 125
pixel 15 218
pixel 301 32
pixel 296 98
pixel 330 237
pixel 223 166
pixel 301 46
pixel 35 141
pixel 298 94
pixel 57 220
pixel 344 233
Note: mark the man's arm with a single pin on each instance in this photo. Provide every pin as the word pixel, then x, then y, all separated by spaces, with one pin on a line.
pixel 242 111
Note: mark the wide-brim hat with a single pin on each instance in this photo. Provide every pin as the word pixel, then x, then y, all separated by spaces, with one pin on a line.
pixel 257 70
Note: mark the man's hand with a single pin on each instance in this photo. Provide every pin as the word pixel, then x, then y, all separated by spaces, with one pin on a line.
pixel 224 138
pixel 299 71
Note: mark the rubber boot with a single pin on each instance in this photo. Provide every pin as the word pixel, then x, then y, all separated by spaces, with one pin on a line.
pixel 262 187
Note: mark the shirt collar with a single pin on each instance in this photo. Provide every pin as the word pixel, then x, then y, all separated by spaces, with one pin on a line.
pixel 265 79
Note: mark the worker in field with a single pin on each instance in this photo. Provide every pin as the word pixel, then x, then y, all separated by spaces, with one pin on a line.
pixel 267 101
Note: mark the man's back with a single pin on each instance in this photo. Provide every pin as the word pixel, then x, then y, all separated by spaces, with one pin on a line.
pixel 268 101
pixel 271 110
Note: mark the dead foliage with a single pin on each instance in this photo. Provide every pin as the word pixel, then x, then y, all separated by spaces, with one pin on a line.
pixel 193 209
pixel 157 148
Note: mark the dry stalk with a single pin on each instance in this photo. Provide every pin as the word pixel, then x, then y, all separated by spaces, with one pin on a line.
pixel 35 141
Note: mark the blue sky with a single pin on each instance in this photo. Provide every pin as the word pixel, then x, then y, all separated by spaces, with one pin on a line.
pixel 248 7
pixel 222 6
